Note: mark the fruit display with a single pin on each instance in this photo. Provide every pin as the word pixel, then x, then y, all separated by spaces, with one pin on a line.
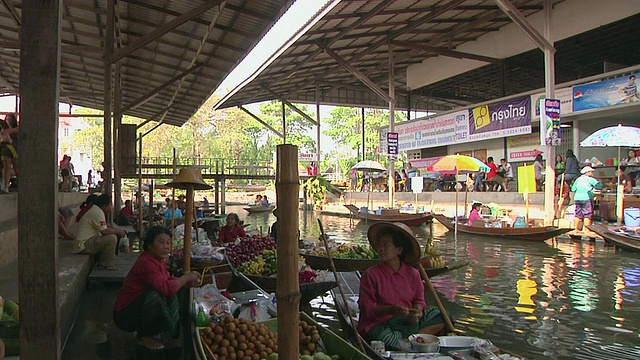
pixel 239 339
pixel 249 248
pixel 246 340
pixel 9 326
pixel 266 264
pixel 345 251
pixel 435 259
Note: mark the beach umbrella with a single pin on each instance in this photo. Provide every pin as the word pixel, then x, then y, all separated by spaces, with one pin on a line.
pixel 369 165
pixel 615 136
pixel 457 164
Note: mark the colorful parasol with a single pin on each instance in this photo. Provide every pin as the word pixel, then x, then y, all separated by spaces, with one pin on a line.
pixel 369 165
pixel 460 163
pixel 456 164
pixel 615 136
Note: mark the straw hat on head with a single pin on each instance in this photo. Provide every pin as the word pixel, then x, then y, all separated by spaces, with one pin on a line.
pixel 411 248
pixel 586 169
pixel 189 176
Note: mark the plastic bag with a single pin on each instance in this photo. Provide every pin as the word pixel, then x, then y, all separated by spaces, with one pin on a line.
pixel 123 245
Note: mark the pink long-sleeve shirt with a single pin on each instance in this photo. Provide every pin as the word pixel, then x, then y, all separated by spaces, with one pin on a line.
pixel 380 286
pixel 149 272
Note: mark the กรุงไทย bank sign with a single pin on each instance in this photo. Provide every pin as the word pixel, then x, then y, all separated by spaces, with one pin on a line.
pixel 438 131
pixel 506 118
pixel 605 93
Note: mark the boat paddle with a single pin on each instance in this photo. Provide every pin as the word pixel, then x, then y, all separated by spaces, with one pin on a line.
pixel 344 297
pixel 443 311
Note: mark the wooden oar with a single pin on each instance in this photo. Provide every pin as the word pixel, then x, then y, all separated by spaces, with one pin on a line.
pixel 344 297
pixel 443 311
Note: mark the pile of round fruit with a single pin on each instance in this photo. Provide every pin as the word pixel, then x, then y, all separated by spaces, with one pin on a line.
pixel 247 249
pixel 240 339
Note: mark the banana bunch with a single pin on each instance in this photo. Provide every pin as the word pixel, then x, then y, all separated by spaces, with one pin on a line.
pixel 253 267
pixel 436 262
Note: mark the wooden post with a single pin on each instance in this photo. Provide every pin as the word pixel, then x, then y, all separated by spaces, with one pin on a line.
pixel 117 154
pixel 140 206
pixel 108 70
pixel 38 220
pixel 188 218
pixel 173 199
pixel 288 287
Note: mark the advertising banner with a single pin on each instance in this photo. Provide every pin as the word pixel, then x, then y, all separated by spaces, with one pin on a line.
pixel 438 131
pixel 524 147
pixel 307 156
pixel 392 143
pixel 565 95
pixel 550 132
pixel 382 145
pixel 605 93
pixel 510 117
pixel 423 164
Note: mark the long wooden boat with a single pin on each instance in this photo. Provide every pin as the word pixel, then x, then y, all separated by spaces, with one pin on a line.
pixel 259 209
pixel 617 237
pixel 408 219
pixel 541 233
pixel 346 265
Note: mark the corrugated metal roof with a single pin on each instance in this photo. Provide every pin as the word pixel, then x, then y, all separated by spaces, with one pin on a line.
pixel 218 38
pixel 359 32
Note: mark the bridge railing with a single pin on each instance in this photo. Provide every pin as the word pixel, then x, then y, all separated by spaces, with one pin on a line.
pixel 209 166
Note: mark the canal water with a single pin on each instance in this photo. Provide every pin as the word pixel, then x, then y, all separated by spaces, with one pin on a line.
pixel 548 300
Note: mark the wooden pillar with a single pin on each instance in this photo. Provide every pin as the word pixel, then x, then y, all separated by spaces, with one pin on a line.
pixel 392 108
pixel 38 235
pixel 117 123
pixel 108 52
pixel 223 189
pixel 288 287
pixel 364 152
pixel 139 196
pixel 284 124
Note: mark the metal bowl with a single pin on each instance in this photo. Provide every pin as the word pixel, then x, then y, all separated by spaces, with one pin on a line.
pixel 430 343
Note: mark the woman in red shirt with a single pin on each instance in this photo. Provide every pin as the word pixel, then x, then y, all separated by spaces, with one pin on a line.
pixel 391 300
pixel 233 230
pixel 147 301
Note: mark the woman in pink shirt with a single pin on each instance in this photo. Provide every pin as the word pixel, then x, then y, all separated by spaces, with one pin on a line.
pixel 391 300
pixel 233 230
pixel 147 302
pixel 475 213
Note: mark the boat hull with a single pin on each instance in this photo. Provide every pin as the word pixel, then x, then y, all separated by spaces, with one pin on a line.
pixel 407 219
pixel 259 209
pixel 620 240
pixel 346 265
pixel 530 233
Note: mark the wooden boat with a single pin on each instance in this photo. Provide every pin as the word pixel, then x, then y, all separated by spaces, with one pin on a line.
pixel 408 219
pixel 529 233
pixel 345 265
pixel 259 209
pixel 617 237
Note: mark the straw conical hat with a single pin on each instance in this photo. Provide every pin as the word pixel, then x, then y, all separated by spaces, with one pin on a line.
pixel 189 176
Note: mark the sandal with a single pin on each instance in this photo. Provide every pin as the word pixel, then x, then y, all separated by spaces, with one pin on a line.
pixel 150 343
pixel 107 268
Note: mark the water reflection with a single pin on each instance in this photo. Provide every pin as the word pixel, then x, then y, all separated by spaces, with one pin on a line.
pixel 560 300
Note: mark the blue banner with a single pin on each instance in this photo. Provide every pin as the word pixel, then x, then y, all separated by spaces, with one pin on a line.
pixel 605 93
pixel 392 143
pixel 510 117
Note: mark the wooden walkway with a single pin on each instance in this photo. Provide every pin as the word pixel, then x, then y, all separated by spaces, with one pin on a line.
pixel 124 263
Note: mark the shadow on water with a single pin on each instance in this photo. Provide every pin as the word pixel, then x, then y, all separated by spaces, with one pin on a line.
pixel 553 299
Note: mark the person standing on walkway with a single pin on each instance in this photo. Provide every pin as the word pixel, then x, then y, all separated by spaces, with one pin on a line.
pixel 147 302
pixel 583 187
pixel 571 167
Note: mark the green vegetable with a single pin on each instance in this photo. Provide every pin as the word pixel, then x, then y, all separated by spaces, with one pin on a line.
pixel 273 356
pixel 306 357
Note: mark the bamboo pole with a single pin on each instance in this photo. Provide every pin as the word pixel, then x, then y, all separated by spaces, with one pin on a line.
pixel 344 297
pixel 436 297
pixel 187 229
pixel 288 287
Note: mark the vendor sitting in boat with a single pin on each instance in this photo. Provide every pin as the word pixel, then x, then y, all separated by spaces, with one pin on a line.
pixel 475 213
pixel 147 301
pixel 265 201
pixel 391 300
pixel 258 200
pixel 233 230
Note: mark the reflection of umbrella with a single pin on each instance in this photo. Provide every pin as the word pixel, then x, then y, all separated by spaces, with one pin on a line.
pixel 456 164
pixel 368 165
pixel 614 136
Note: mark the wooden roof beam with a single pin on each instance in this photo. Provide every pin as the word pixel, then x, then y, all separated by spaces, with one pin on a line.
pixel 163 29
pixel 289 104
pixel 446 52
pixel 256 118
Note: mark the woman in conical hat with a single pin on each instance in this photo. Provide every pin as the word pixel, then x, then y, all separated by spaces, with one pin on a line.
pixel 391 301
